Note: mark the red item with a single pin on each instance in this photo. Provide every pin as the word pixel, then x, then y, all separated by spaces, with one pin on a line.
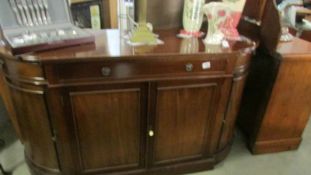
pixel 194 34
pixel 229 26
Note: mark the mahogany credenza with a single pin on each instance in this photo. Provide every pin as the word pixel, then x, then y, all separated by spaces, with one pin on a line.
pixel 110 108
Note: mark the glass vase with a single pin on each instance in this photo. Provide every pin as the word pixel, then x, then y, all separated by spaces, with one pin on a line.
pixel 193 16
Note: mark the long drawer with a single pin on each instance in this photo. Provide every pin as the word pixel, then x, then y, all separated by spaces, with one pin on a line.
pixel 138 68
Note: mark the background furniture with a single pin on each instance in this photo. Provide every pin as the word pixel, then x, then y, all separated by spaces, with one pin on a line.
pixel 81 13
pixel 109 11
pixel 166 14
pixel 276 102
pixel 303 33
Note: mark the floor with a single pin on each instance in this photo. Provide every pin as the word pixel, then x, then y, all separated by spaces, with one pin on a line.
pixel 239 162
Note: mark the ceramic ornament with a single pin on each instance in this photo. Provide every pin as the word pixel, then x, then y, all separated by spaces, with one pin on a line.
pixel 229 27
pixel 288 18
pixel 223 18
pixel 217 13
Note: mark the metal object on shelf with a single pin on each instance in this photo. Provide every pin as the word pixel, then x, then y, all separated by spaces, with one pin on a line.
pixel 15 10
pixel 32 12
pixel 37 9
pixel 21 12
pixel 42 11
pixel 46 7
pixel 43 37
pixel 37 31
pixel 27 12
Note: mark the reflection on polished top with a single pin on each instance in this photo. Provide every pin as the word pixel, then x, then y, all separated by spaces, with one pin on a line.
pixel 109 44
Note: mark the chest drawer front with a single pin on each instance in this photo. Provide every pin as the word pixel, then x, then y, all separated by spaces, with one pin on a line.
pixel 131 69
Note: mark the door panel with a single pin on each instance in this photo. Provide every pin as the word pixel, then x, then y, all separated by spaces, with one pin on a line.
pixel 184 112
pixel 108 125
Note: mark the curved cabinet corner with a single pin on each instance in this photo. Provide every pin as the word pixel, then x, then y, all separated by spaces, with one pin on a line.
pixel 36 130
pixel 25 82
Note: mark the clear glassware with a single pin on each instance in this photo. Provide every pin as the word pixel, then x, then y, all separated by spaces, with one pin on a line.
pixel 189 45
pixel 193 15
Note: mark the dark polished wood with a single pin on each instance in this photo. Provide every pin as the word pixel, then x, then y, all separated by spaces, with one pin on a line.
pixel 261 22
pixel 277 99
pixel 118 114
pixel 270 29
pixel 110 108
pixel 183 114
pixel 255 9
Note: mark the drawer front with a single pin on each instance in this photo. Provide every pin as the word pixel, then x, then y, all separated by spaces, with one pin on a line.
pixel 132 69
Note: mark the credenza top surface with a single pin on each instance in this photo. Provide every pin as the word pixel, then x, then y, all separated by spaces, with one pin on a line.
pixel 109 45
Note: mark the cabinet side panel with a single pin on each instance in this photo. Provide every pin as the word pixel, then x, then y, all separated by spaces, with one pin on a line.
pixel 290 104
pixel 232 111
pixel 108 128
pixel 35 127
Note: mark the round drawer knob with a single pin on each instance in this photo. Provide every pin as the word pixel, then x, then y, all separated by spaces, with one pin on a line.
pixel 189 67
pixel 106 71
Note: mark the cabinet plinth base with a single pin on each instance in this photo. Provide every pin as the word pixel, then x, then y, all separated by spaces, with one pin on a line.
pixel 172 169
pixel 273 146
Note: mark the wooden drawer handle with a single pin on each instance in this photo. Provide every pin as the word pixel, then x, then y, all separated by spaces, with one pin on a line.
pixel 106 71
pixel 189 67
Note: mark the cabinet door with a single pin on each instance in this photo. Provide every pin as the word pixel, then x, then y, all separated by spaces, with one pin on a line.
pixel 108 122
pixel 187 119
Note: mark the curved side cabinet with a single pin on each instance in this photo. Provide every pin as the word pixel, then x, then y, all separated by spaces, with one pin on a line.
pixel 26 86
